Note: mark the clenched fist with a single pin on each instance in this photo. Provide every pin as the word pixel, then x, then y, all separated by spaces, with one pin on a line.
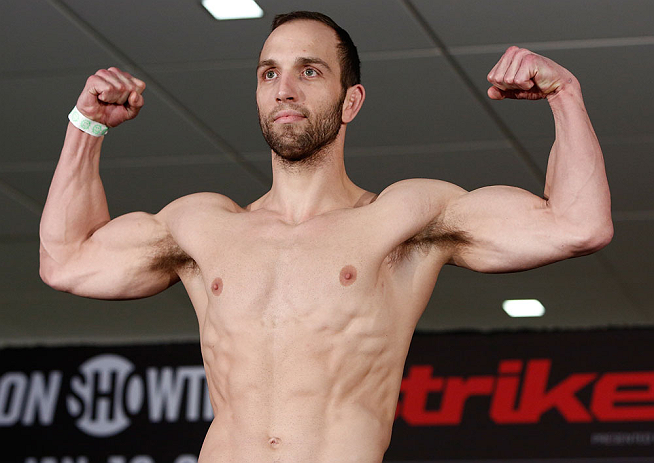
pixel 111 97
pixel 522 74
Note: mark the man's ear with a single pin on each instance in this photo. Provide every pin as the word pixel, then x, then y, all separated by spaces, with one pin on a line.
pixel 353 101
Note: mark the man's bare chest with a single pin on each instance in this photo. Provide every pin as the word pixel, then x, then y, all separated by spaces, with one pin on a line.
pixel 288 258
pixel 266 273
pixel 255 260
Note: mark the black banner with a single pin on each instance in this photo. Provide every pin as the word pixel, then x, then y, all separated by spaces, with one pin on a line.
pixel 554 395
pixel 127 404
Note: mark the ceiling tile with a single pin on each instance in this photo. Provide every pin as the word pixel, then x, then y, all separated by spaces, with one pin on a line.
pixel 35 313
pixel 629 169
pixel 159 31
pixel 575 293
pixel 468 169
pixel 630 253
pixel 157 131
pixel 628 164
pixel 34 184
pixel 382 25
pixel 602 86
pixel 150 188
pixel 417 101
pixel 16 219
pixel 35 38
pixel 224 99
pixel 37 123
pixel 469 22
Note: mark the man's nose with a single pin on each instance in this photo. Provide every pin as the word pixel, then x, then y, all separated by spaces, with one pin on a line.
pixel 287 90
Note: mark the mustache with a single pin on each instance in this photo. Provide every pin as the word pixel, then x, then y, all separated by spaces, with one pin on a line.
pixel 288 107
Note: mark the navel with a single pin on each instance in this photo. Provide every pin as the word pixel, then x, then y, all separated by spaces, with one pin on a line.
pixel 217 286
pixel 348 275
pixel 274 442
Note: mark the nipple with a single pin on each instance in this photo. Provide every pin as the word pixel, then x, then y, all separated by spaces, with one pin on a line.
pixel 217 286
pixel 348 275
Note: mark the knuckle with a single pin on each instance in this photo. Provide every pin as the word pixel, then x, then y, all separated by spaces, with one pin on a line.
pixel 522 54
pixel 103 75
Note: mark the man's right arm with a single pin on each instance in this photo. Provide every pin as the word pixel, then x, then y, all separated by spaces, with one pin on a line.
pixel 82 250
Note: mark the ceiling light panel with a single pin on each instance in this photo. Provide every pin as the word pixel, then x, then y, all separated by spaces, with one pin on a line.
pixel 523 308
pixel 233 9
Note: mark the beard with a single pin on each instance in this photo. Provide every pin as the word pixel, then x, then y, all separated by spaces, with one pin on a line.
pixel 297 147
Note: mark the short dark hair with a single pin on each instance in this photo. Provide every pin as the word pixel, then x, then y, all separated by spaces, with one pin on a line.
pixel 347 51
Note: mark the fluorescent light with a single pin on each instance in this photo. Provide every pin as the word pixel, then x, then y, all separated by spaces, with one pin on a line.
pixel 233 9
pixel 523 308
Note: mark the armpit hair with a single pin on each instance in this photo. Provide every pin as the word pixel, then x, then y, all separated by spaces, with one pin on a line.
pixel 434 234
pixel 169 258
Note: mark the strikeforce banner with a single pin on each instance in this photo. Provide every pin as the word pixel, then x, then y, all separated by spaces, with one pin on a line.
pixel 464 396
pixel 527 395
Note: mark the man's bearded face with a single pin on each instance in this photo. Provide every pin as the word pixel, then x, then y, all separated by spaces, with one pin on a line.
pixel 296 144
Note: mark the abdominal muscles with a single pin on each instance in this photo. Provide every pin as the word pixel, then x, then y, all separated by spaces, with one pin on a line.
pixel 301 372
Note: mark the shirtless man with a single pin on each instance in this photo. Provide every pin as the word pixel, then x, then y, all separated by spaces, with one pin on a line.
pixel 307 298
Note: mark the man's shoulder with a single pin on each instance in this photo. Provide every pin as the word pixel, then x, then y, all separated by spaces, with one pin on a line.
pixel 195 208
pixel 200 202
pixel 418 190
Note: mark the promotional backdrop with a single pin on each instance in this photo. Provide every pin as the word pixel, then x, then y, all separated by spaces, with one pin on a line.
pixel 465 396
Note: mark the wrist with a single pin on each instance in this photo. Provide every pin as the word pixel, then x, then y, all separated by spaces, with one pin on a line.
pixel 569 87
pixel 86 125
pixel 566 94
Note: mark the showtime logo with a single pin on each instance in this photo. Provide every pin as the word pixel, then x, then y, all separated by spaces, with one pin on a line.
pixel 105 394
pixel 518 396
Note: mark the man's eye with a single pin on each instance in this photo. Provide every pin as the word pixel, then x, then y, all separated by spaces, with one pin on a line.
pixel 269 74
pixel 310 72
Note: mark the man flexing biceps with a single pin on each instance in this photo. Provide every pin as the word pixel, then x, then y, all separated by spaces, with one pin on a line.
pixel 307 298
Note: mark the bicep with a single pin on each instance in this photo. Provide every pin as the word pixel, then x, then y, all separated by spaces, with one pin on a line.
pixel 120 260
pixel 508 229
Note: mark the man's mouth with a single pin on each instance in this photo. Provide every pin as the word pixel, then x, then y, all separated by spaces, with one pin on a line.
pixel 288 116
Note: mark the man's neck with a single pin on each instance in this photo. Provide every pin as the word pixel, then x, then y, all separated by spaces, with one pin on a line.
pixel 300 192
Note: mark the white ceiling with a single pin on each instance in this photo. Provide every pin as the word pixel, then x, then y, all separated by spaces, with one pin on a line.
pixel 424 59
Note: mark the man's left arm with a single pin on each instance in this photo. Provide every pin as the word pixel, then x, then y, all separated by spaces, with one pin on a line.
pixel 509 229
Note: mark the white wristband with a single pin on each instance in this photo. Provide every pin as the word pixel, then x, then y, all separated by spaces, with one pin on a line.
pixel 85 124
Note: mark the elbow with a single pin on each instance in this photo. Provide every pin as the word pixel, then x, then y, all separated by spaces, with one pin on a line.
pixel 51 276
pixel 593 238
pixel 51 280
pixel 51 272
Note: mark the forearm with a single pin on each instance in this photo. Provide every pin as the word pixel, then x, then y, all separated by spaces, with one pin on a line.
pixel 576 186
pixel 76 205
